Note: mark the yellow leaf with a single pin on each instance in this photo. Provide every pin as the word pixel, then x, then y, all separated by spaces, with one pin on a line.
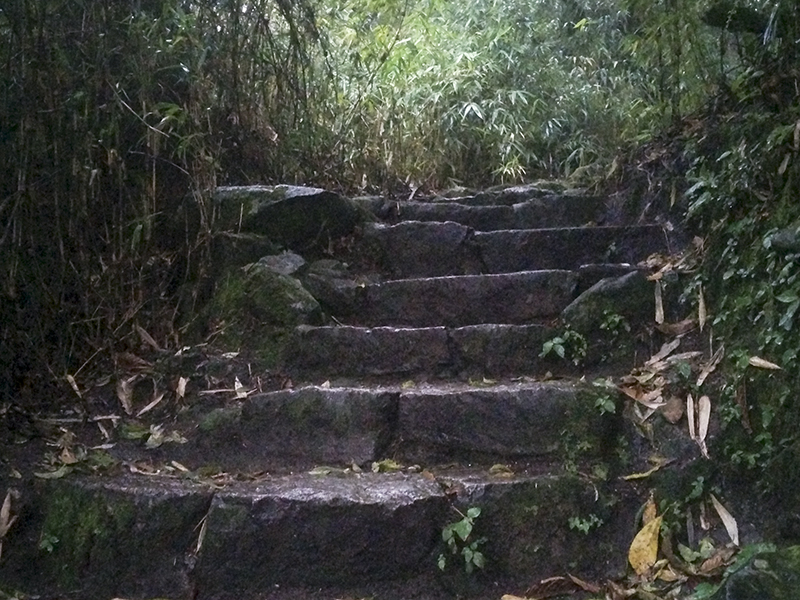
pixel 643 552
pixel 650 510
pixel 759 362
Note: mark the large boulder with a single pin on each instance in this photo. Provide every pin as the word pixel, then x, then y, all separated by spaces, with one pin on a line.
pixel 257 305
pixel 331 283
pixel 610 313
pixel 301 218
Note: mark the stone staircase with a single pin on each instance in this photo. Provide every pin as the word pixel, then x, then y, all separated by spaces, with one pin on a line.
pixel 424 396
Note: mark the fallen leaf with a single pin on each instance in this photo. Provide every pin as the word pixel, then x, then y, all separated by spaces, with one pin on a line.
pixel 643 552
pixel 125 393
pixel 501 470
pixel 650 511
pixel 241 391
pixel 679 328
pixel 643 475
pixel 759 362
pixel 727 520
pixel 158 437
pixel 673 409
pixel 386 466
pixel 74 385
pixel 550 587
pixel 148 339
pixel 659 304
pixel 6 520
pixel 67 457
pixel 324 385
pixel 665 351
pixel 721 558
pixel 320 471
pixel 180 389
pixel 702 314
pixel 741 400
pixel 711 366
pixel 669 575
pixel 408 384
pixel 690 416
pixel 592 588
pixel 57 474
pixel 151 405
pixel 703 419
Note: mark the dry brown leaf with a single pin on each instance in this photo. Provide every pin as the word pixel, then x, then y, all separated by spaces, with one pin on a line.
pixel 125 393
pixel 796 145
pixel 784 163
pixel 643 552
pixel 702 314
pixel 673 409
pixel 74 385
pixel 148 339
pixel 665 351
pixel 618 592
pixel 659 304
pixel 711 366
pixel 592 588
pixel 757 361
pixel 650 511
pixel 727 520
pixel 550 587
pixel 679 328
pixel 669 575
pixel 6 520
pixel 703 419
pixel 705 525
pixel 202 535
pixel 151 405
pixel 643 475
pixel 180 389
pixel 741 400
pixel 67 457
pixel 717 561
pixel 241 391
pixel 690 416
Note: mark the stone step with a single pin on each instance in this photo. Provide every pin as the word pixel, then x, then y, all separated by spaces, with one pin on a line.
pixel 488 350
pixel 307 426
pixel 418 249
pixel 547 211
pixel 146 537
pixel 519 298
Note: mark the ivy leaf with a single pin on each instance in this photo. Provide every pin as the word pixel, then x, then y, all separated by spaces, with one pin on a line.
pixel 463 528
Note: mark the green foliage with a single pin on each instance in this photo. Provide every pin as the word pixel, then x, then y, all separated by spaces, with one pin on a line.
pixel 458 538
pixel 614 323
pixel 585 525
pixel 744 179
pixel 569 345
pixel 604 396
